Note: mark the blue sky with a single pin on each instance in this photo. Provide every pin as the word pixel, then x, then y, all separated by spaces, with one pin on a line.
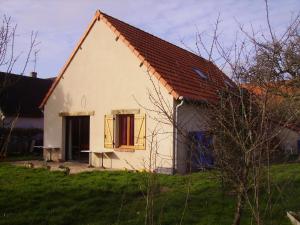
pixel 60 23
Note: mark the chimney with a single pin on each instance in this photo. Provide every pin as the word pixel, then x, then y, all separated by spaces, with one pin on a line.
pixel 33 74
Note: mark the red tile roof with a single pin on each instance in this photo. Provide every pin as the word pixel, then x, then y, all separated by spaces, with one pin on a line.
pixel 172 65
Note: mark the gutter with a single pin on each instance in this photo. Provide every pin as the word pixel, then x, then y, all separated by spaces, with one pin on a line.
pixel 176 134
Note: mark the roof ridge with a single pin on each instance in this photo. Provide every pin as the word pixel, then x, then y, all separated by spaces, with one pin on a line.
pixel 180 48
pixel 22 76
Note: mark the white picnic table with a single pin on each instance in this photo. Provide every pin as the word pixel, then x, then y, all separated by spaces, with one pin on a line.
pixel 50 149
pixel 102 153
pixel 88 151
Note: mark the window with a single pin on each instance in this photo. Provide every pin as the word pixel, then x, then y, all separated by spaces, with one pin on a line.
pixel 126 129
pixel 228 84
pixel 201 73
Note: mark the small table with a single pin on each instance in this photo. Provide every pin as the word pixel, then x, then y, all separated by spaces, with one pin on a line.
pixel 103 153
pixel 88 151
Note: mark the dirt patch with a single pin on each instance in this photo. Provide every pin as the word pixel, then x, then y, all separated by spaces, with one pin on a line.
pixel 75 167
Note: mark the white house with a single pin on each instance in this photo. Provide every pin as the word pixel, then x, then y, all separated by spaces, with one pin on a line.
pixel 103 103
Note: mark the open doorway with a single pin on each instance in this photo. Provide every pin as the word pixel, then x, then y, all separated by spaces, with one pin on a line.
pixel 77 138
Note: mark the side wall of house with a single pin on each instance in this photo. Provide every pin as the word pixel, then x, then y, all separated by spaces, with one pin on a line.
pixel 191 117
pixel 289 141
pixel 103 76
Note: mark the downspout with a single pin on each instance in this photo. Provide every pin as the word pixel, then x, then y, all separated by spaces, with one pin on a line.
pixel 176 134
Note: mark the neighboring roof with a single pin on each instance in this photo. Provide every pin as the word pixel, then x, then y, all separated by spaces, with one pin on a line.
pixel 172 65
pixel 22 94
pixel 278 88
pixel 293 126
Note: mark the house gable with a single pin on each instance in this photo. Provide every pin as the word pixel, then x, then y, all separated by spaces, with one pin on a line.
pixel 173 66
pixel 103 77
pixel 118 36
pixel 93 66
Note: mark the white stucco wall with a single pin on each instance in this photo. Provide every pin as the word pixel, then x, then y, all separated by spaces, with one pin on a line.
pixel 105 75
pixel 289 141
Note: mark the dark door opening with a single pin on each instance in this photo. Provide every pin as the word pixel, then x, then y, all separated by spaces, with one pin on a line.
pixel 77 138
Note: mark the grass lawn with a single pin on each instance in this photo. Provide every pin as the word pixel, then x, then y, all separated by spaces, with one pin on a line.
pixel 37 196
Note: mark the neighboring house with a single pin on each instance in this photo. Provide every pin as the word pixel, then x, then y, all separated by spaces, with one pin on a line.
pixel 21 119
pixel 20 97
pixel 102 102
pixel 290 139
pixel 288 133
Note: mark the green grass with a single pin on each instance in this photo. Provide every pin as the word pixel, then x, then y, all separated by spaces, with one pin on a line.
pixel 37 196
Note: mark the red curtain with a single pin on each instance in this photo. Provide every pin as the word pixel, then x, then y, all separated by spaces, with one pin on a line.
pixel 124 128
pixel 131 135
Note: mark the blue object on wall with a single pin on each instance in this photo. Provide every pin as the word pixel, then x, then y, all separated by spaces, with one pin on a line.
pixel 201 150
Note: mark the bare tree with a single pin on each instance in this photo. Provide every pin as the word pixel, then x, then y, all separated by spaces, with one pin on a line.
pixel 8 59
pixel 251 111
pixel 248 118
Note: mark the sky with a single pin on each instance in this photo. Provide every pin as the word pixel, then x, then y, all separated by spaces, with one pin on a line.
pixel 60 23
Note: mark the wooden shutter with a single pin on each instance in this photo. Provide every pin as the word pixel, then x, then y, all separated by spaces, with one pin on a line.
pixel 140 131
pixel 108 131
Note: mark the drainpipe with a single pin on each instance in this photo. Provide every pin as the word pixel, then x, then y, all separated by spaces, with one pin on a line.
pixel 176 134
